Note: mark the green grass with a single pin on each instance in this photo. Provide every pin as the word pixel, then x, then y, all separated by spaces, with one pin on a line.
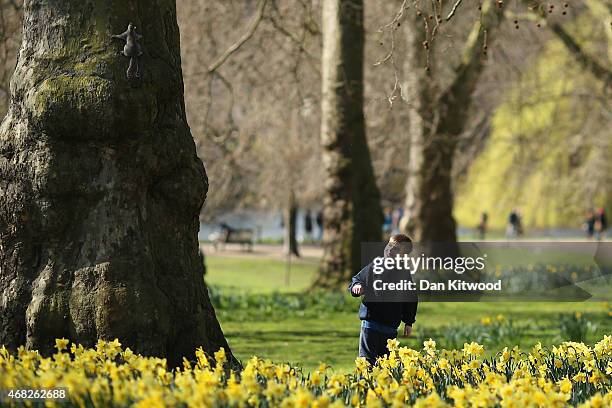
pixel 333 338
pixel 307 339
pixel 259 275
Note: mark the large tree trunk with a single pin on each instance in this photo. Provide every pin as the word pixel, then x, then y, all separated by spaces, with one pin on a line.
pixel 436 123
pixel 100 187
pixel 418 93
pixel 352 212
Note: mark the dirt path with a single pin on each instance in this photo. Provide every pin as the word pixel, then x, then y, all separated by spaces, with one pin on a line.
pixel 268 251
pixel 314 252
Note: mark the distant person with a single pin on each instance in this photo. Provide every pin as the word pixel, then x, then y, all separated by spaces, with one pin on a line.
pixel 482 225
pixel 319 221
pixel 398 213
pixel 589 224
pixel 400 217
pixel 513 230
pixel 519 223
pixel 308 225
pixel 601 224
pixel 387 226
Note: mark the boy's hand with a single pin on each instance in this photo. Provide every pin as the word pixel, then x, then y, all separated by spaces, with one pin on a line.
pixel 357 290
pixel 407 330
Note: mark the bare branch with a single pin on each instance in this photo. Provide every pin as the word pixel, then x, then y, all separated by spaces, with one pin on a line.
pixel 453 10
pixel 584 59
pixel 297 41
pixel 261 5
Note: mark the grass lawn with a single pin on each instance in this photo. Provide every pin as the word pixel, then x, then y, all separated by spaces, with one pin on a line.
pixel 258 275
pixel 332 337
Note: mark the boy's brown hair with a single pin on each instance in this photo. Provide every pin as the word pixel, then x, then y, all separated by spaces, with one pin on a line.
pixel 397 238
pixel 401 241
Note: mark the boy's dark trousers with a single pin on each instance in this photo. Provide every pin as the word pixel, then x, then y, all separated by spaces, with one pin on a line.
pixel 373 344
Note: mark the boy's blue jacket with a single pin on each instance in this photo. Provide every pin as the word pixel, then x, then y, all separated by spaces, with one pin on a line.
pixel 386 313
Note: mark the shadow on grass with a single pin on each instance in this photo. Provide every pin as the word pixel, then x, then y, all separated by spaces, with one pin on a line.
pixel 310 336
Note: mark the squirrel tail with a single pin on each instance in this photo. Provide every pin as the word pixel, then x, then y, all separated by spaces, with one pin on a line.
pixel 133 71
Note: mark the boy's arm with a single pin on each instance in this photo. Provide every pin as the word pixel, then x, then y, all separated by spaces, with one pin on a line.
pixel 360 279
pixel 409 307
pixel 409 310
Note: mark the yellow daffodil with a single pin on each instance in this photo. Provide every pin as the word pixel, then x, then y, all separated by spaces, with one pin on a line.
pixel 109 376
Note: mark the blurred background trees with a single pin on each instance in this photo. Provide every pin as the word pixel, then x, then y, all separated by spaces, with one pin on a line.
pixel 439 114
pixel 516 113
pixel 289 34
pixel 549 148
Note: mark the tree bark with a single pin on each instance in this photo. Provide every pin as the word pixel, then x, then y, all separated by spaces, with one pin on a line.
pixel 290 215
pixel 352 213
pixel 436 123
pixel 418 93
pixel 100 187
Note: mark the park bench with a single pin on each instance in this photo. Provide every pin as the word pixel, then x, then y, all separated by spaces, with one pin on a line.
pixel 242 236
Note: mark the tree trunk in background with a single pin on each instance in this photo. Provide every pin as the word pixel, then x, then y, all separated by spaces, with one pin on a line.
pixel 418 93
pixel 290 220
pixel 437 122
pixel 100 187
pixel 352 212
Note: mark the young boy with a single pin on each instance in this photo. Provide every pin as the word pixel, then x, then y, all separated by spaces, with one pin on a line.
pixel 380 320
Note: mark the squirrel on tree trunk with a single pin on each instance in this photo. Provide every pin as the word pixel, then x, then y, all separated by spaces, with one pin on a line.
pixel 132 50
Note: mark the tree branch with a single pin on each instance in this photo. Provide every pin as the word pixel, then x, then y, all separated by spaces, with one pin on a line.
pixel 261 5
pixel 294 39
pixel 584 59
pixel 457 98
pixel 453 10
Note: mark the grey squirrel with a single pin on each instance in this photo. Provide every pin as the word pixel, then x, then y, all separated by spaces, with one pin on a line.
pixel 132 50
